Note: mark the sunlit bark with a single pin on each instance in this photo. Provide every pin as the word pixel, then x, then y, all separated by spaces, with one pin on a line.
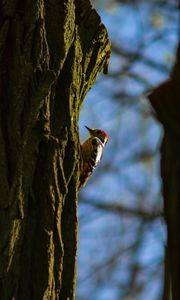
pixel 50 54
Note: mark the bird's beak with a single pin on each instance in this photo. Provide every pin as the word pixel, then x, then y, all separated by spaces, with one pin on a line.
pixel 89 129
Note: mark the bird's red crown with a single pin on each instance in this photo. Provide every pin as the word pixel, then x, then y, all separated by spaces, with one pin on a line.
pixel 101 134
pixel 106 136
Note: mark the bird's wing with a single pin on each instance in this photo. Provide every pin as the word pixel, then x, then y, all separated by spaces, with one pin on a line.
pixel 96 152
pixel 92 151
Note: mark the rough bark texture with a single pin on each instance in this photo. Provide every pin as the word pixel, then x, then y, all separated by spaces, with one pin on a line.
pixel 50 54
pixel 166 101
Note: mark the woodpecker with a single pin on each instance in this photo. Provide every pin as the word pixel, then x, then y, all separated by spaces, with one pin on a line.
pixel 91 151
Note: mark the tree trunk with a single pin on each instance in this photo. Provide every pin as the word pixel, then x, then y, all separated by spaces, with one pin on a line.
pixel 50 54
pixel 166 101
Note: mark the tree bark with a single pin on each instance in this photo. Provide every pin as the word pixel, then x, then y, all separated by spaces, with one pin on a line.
pixel 166 101
pixel 50 54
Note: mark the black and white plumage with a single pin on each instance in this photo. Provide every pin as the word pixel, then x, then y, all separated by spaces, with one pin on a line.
pixel 92 150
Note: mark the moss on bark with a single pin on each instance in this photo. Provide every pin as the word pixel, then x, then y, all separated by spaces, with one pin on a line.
pixel 50 55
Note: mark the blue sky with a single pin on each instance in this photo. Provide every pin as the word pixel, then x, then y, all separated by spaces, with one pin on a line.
pixel 129 173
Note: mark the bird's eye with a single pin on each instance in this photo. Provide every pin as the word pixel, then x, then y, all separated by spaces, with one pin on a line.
pixel 99 131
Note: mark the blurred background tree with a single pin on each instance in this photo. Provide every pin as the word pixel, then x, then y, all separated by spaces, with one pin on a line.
pixel 122 232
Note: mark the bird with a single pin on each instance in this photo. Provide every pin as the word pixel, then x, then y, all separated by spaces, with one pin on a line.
pixel 91 153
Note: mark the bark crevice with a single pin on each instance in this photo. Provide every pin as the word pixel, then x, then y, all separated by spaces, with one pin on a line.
pixel 50 55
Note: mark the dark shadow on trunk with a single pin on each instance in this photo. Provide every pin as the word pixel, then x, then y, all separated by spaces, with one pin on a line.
pixel 50 55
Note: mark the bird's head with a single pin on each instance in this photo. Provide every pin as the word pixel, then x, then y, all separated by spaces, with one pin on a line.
pixel 101 134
